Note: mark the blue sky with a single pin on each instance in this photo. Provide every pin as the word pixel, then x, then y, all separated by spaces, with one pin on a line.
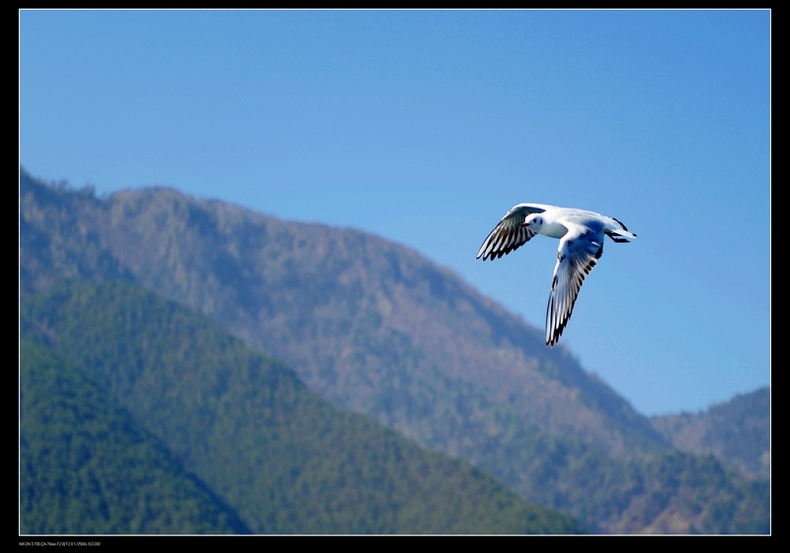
pixel 425 127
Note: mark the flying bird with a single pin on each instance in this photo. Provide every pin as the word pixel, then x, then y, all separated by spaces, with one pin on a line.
pixel 581 235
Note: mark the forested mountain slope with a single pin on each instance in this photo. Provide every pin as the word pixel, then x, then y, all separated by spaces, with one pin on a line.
pixel 87 466
pixel 283 459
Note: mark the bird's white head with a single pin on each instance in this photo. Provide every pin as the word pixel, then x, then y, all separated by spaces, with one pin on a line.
pixel 534 221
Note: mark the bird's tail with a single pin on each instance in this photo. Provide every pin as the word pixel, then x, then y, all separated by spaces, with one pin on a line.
pixel 619 235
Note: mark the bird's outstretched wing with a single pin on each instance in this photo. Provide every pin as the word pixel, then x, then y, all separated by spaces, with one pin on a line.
pixel 578 253
pixel 509 234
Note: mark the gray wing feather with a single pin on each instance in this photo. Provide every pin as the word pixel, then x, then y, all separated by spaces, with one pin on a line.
pixel 577 256
pixel 509 234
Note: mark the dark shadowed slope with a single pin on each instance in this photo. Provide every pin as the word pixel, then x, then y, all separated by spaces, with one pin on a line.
pixel 87 466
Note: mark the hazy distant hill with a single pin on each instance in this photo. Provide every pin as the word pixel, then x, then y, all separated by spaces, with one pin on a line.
pixel 375 327
pixel 283 458
pixel 737 431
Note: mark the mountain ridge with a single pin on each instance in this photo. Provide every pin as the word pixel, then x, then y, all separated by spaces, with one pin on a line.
pixel 292 253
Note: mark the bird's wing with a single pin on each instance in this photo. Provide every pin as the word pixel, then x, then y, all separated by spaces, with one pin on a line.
pixel 578 253
pixel 509 234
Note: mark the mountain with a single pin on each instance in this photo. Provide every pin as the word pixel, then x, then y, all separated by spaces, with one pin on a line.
pixel 87 466
pixel 374 327
pixel 355 315
pixel 737 431
pixel 242 423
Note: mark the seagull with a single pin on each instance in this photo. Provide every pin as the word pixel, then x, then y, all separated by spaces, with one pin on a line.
pixel 581 235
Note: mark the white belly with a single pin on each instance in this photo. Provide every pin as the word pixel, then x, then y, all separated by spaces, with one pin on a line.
pixel 555 230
